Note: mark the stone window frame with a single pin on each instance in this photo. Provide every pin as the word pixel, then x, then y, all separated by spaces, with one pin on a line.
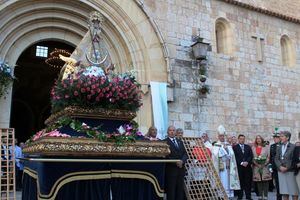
pixel 224 37
pixel 288 51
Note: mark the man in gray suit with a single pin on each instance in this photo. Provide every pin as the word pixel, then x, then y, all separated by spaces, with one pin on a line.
pixel 283 161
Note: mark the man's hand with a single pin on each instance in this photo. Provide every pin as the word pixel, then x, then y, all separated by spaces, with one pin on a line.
pixel 245 164
pixel 283 169
pixel 179 164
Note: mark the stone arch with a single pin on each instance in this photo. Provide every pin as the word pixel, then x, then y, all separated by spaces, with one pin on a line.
pixel 128 32
pixel 288 52
pixel 224 37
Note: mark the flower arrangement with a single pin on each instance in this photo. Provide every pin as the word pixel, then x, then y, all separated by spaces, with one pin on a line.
pixel 6 77
pixel 260 160
pixel 125 133
pixel 119 91
pixel 43 133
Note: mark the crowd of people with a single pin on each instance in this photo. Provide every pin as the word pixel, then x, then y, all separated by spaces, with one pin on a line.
pixel 258 164
pixel 241 167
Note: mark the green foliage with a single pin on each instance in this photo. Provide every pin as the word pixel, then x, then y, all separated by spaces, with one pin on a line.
pixel 6 77
pixel 126 133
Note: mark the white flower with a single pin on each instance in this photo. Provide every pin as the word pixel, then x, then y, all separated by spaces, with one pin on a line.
pixel 94 71
pixel 121 130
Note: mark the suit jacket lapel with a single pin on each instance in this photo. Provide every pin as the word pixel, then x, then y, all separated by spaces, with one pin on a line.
pixel 172 144
pixel 241 150
pixel 287 149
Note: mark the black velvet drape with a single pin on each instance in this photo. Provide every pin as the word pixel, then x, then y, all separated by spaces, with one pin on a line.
pixel 93 181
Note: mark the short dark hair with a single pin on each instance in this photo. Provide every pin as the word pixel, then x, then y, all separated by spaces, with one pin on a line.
pixel 241 135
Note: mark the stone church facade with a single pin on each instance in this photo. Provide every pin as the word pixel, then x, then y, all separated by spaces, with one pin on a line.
pixel 253 66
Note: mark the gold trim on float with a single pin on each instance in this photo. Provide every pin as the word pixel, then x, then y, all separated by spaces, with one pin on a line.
pixel 88 175
pixel 79 147
pixel 139 175
pixel 96 113
pixel 94 175
pixel 66 160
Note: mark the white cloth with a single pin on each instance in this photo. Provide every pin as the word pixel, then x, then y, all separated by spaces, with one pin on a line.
pixel 208 145
pixel 160 107
pixel 229 176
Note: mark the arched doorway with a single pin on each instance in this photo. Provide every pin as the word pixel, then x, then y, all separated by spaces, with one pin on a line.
pixel 31 90
pixel 132 38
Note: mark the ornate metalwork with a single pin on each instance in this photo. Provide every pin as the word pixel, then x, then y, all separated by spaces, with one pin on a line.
pixel 98 113
pixel 95 25
pixel 77 147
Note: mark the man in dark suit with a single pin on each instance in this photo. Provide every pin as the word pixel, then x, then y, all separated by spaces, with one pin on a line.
pixel 243 155
pixel 273 149
pixel 175 171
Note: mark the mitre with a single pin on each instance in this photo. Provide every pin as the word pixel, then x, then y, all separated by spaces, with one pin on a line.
pixel 221 130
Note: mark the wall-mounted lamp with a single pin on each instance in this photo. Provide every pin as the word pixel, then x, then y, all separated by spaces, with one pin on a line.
pixel 200 49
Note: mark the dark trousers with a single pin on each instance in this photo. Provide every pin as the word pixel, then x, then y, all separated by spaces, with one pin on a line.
pixel 245 176
pixel 275 177
pixel 175 183
pixel 263 188
pixel 19 174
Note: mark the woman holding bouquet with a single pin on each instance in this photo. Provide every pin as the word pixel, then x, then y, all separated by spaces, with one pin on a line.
pixel 261 174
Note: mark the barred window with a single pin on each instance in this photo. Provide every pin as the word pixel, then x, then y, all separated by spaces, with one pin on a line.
pixel 41 51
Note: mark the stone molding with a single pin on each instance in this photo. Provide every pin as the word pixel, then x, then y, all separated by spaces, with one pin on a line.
pixel 264 11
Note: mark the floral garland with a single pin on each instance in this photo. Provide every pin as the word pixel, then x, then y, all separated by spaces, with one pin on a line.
pixel 126 133
pixel 6 77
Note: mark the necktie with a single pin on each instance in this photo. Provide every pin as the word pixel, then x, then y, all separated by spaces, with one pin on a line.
pixel 242 146
pixel 175 143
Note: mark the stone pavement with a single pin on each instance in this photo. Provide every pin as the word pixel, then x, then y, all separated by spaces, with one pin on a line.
pixel 272 196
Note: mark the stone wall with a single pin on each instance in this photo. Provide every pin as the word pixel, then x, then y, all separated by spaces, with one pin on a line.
pixel 247 96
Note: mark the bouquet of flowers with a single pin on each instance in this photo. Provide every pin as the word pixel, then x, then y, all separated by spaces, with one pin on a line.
pixel 261 160
pixel 6 77
pixel 120 91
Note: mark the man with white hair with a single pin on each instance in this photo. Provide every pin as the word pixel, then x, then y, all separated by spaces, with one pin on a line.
pixel 205 140
pixel 225 164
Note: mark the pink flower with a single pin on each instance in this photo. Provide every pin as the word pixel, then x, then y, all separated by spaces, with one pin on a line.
pixel 139 133
pixel 127 133
pixel 75 93
pixel 38 135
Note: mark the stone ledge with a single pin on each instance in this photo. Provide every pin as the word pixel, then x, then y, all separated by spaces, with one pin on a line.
pixel 264 11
